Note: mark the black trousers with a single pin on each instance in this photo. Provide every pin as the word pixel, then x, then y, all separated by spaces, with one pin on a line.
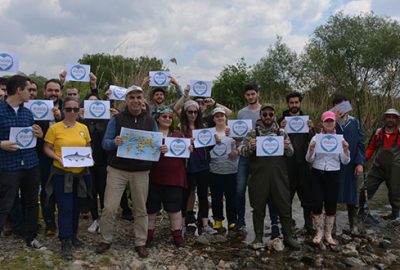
pixel 223 185
pixel 201 180
pixel 325 187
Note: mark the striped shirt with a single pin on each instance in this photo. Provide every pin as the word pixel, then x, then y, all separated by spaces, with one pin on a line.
pixel 22 158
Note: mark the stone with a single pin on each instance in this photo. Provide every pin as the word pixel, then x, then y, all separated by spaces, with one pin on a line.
pixel 202 239
pixel 137 265
pixel 385 243
pixel 353 262
pixel 76 265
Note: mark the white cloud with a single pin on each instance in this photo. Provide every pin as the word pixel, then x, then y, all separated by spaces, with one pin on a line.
pixel 356 7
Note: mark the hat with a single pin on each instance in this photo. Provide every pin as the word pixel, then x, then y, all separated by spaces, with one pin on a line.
pixel 393 111
pixel 328 115
pixel 268 105
pixel 134 88
pixel 190 103
pixel 218 110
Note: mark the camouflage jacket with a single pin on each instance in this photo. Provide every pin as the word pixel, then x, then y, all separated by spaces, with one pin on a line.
pixel 262 130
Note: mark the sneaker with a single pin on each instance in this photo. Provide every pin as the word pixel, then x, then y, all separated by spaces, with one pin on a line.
pixel 257 244
pixel 217 225
pixel 207 229
pixel 36 245
pixel 232 227
pixel 94 227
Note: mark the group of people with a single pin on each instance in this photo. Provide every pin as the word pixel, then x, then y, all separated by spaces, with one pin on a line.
pixel 321 180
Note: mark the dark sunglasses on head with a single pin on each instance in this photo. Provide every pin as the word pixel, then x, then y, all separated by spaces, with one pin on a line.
pixel 270 114
pixel 69 109
pixel 191 112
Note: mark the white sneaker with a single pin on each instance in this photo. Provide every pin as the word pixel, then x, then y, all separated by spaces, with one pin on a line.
pixel 36 245
pixel 208 229
pixel 94 227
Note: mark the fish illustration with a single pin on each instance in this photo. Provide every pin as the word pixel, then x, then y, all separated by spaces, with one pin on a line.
pixel 77 157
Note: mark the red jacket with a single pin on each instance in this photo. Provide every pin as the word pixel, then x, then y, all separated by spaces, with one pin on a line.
pixel 380 136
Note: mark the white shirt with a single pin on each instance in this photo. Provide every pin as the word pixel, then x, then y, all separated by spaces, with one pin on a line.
pixel 326 161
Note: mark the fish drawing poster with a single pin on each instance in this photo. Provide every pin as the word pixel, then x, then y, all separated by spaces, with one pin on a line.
pixel 74 157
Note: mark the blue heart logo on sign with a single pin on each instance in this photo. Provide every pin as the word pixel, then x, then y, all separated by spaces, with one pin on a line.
pixel 177 147
pixel 97 109
pixel 220 149
pixel 329 143
pixel 240 128
pixel 78 72
pixel 39 109
pixel 119 92
pixel 6 61
pixel 204 137
pixel 160 78
pixel 200 88
pixel 24 137
pixel 270 145
pixel 297 124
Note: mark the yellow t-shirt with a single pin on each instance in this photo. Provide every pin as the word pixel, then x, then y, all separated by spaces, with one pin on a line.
pixel 60 136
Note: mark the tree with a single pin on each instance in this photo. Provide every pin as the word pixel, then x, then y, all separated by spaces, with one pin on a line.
pixel 228 88
pixel 276 73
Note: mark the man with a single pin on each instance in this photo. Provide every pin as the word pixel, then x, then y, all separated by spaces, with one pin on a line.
pixel 123 170
pixel 72 92
pixel 298 168
pixel 52 91
pixel 269 178
pixel 353 133
pixel 33 90
pixel 3 88
pixel 386 166
pixel 19 168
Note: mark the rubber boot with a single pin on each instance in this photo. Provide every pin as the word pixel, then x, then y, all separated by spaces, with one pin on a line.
pixel 66 249
pixel 329 221
pixel 353 220
pixel 319 223
pixel 287 232
pixel 179 241
pixel 308 222
pixel 150 236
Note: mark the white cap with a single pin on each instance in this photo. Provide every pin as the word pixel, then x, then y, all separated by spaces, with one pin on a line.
pixel 134 88
pixel 218 110
pixel 392 111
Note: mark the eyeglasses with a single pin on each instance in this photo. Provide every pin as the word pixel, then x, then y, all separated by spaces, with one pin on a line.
pixel 191 112
pixel 166 116
pixel 270 114
pixel 69 109
pixel 72 94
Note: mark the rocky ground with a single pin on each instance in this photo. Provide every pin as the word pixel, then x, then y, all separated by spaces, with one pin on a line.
pixel 378 248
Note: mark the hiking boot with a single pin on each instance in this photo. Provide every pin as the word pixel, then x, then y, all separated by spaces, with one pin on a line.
pixel 66 249
pixel 150 235
pixel 217 225
pixel 102 247
pixel 291 243
pixel 142 251
pixel 179 241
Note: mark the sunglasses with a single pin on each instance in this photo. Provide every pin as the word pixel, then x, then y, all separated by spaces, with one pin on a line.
pixel 69 109
pixel 270 114
pixel 192 112
pixel 72 94
pixel 166 116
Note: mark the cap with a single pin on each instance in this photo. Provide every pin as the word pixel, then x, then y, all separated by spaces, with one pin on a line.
pixel 268 105
pixel 218 110
pixel 393 111
pixel 328 115
pixel 134 88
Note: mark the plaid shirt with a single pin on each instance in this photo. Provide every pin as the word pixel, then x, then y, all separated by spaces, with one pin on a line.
pixel 22 158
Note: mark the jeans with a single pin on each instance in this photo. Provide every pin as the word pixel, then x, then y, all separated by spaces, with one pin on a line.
pixel 241 185
pixel 28 182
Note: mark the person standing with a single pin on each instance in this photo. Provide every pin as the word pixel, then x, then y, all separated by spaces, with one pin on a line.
pixel 352 132
pixel 19 168
pixel 269 178
pixel 385 144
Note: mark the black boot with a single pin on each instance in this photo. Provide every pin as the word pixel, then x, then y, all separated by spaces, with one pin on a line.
pixel 308 223
pixel 288 239
pixel 66 249
pixel 353 220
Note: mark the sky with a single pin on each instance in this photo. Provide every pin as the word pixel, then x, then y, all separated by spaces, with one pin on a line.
pixel 203 35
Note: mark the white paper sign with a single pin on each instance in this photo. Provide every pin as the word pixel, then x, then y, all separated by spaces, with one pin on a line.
pixel 117 92
pixel 74 157
pixel 41 109
pixel 342 107
pixel 96 109
pixel 239 128
pixel 9 62
pixel 269 146
pixel 78 73
pixel 200 88
pixel 221 149
pixel 297 124
pixel 177 147
pixel 329 143
pixel 159 78
pixel 23 136
pixel 204 137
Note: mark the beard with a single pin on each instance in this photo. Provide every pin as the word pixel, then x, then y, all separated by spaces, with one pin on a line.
pixel 294 110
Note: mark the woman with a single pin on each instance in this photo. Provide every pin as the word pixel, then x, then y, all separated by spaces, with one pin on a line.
pixel 325 181
pixel 197 168
pixel 167 182
pixel 223 168
pixel 66 183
